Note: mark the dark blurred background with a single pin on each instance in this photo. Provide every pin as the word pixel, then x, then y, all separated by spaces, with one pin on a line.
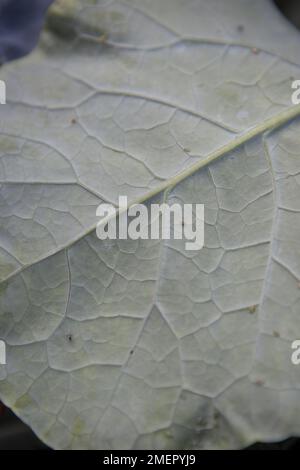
pixel 19 31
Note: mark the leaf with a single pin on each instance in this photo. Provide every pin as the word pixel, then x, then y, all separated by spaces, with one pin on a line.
pixel 141 344
pixel 20 24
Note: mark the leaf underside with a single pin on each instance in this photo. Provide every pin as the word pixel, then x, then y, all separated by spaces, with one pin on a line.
pixel 125 344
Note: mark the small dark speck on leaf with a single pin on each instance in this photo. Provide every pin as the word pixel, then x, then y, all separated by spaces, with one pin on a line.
pixel 69 337
pixel 73 121
pixel 131 352
pixel 241 28
pixel 259 382
pixel 276 334
pixel 254 50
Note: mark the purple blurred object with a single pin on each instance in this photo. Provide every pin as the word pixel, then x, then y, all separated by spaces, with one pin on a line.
pixel 20 24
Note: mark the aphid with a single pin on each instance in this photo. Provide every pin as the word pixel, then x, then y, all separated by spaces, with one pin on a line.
pixel 240 28
pixel 259 382
pixel 103 38
pixel 276 334
pixel 73 121
pixel 254 50
pixel 70 337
